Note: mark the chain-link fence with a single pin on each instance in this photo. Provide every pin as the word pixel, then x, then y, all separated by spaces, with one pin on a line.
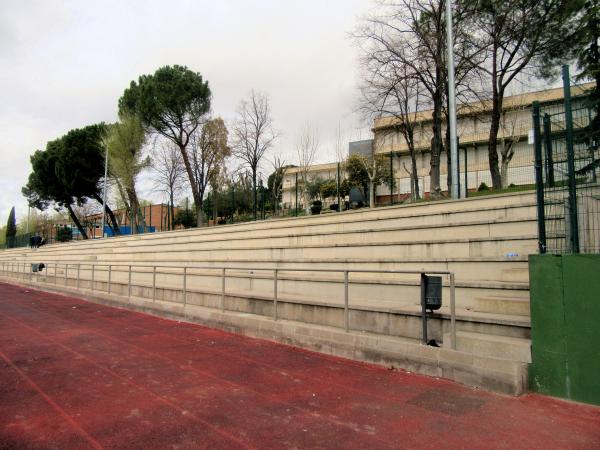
pixel 567 174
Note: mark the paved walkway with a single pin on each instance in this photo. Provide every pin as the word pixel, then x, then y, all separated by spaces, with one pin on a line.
pixel 75 374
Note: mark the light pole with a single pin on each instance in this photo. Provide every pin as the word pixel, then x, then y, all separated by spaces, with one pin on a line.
pixel 104 189
pixel 452 103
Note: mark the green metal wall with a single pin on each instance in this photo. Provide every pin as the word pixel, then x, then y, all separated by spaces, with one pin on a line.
pixel 565 326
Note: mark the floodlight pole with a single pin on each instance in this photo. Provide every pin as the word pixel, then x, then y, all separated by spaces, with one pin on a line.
pixel 104 190
pixel 452 103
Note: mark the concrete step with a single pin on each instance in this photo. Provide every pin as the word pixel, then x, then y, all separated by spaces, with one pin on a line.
pixel 496 208
pixel 335 234
pixel 502 305
pixel 504 347
pixel 431 248
pixel 515 274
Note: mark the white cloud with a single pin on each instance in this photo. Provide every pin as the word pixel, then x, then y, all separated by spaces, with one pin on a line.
pixel 65 64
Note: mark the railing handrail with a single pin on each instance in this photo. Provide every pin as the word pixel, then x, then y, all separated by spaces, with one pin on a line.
pixel 223 269
pixel 219 267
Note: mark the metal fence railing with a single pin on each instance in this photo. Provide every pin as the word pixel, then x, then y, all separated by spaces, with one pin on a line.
pixel 103 278
pixel 567 176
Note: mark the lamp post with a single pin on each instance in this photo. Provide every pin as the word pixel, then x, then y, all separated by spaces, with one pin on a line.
pixel 452 103
pixel 104 189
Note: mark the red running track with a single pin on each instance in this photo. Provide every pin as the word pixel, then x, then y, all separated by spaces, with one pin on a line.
pixel 75 374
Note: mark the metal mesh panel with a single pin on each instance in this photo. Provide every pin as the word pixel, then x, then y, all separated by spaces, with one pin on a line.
pixel 569 175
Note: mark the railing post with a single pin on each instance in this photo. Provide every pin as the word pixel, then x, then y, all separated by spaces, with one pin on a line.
pixel 129 284
pixel 153 284
pixel 93 273
pixel 184 286
pixel 109 276
pixel 275 294
pixel 452 313
pixel 78 272
pixel 346 311
pixel 223 289
pixel 66 270
pixel 55 273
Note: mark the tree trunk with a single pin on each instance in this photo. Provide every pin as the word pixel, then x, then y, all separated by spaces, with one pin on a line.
pixel 75 219
pixel 413 175
pixel 436 148
pixel 134 208
pixel 111 215
pixel 493 142
pixel 497 96
pixel 371 194
pixel 254 196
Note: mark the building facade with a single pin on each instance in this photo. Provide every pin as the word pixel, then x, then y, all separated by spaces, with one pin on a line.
pixel 473 127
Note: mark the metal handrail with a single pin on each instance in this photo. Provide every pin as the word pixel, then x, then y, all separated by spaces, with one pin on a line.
pixel 5 265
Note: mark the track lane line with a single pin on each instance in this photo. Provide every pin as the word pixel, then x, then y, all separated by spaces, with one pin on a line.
pixel 137 386
pixel 214 377
pixel 93 442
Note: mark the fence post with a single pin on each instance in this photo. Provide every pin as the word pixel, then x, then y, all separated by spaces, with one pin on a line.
pixel 275 294
pixel 129 284
pixel 93 272
pixel 184 286
pixel 346 312
pixel 452 313
pixel 66 272
pixel 223 289
pixel 573 220
pixel 109 276
pixel 78 272
pixel 153 284
pixel 539 178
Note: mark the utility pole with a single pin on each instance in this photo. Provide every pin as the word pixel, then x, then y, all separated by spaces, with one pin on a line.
pixel 338 188
pixel 104 189
pixel 452 103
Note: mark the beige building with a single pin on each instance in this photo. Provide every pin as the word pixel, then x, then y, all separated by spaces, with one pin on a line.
pixel 324 171
pixel 473 125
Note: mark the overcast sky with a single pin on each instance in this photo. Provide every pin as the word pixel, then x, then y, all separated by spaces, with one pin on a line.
pixel 65 64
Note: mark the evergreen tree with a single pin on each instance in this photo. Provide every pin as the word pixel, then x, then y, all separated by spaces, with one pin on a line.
pixel 11 229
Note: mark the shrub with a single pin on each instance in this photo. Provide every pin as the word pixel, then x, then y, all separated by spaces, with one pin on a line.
pixel 483 187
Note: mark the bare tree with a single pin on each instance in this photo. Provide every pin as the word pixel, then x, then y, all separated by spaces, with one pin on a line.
pixel 307 147
pixel 509 136
pixel 170 174
pixel 412 34
pixel 207 151
pixel 393 90
pixel 513 33
pixel 253 134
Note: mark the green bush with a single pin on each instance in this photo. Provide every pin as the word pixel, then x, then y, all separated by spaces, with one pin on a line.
pixel 185 217
pixel 483 187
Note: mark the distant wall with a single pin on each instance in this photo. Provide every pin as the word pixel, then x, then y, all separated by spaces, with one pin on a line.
pixel 565 326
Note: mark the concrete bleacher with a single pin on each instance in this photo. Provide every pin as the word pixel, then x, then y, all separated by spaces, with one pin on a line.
pixel 484 241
